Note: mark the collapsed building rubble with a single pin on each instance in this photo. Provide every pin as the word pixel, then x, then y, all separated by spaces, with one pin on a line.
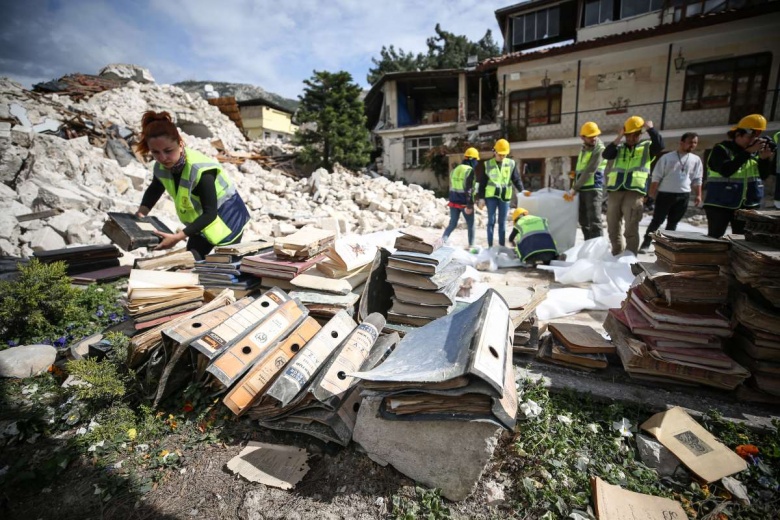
pixel 74 154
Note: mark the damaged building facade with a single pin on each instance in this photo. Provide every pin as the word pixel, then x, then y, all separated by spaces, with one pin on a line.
pixel 685 65
pixel 265 120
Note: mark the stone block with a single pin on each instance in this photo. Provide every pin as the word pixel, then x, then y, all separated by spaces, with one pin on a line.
pixel 46 239
pixel 64 220
pixel 54 197
pixel 450 455
pixel 26 360
pixel 655 455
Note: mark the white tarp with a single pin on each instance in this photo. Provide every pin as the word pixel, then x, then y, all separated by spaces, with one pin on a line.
pixel 560 214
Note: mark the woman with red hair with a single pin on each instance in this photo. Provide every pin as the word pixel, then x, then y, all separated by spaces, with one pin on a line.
pixel 206 200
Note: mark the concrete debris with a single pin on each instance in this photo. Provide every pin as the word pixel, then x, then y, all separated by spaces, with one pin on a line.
pixel 89 167
pixel 26 360
pixel 655 455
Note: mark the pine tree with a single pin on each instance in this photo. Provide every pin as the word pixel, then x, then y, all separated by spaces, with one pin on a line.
pixel 333 122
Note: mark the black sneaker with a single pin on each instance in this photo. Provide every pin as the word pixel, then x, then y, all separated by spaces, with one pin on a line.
pixel 645 244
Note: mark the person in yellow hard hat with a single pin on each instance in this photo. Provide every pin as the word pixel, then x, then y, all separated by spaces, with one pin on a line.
pixel 531 235
pixel 494 188
pixel 628 179
pixel 736 169
pixel 589 180
pixel 462 195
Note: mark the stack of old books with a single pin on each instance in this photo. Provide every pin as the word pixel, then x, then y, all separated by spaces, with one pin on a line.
pixel 424 285
pixel 678 316
pixel 458 367
pixel 756 343
pixel 154 297
pixel 757 265
pixel 522 311
pixel 274 271
pixel 221 269
pixel 304 244
pixel 761 226
pixel 83 259
pixel 576 346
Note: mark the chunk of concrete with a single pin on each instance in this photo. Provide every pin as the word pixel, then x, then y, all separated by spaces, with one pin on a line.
pixel 64 220
pixel 46 239
pixel 26 360
pixel 127 72
pixel 655 455
pixel 450 455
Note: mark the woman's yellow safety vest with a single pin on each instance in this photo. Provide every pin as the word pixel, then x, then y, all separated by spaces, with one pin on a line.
pixel 232 215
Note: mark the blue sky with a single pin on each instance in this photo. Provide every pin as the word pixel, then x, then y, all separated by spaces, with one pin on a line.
pixel 272 44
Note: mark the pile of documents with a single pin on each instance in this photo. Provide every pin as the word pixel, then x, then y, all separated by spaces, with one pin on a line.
pixel 757 265
pixel 424 285
pixel 274 271
pixel 676 314
pixel 155 297
pixel 82 259
pixel 458 367
pixel 304 244
pixel 576 346
pixel 756 343
pixel 761 226
pixel 221 269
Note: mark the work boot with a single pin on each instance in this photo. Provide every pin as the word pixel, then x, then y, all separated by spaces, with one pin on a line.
pixel 645 244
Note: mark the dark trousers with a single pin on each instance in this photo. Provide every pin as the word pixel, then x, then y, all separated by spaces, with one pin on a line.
pixel 545 257
pixel 718 219
pixel 200 247
pixel 590 214
pixel 670 207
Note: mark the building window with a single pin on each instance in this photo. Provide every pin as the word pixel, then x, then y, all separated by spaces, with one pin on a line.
pixel 538 25
pixel 598 11
pixel 417 147
pixel 533 174
pixel 687 8
pixel 739 83
pixel 629 8
pixel 266 135
pixel 533 107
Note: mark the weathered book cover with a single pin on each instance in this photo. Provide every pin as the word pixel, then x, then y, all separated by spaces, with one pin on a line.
pixel 131 232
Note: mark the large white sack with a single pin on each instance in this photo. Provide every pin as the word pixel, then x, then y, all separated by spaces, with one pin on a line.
pixel 560 214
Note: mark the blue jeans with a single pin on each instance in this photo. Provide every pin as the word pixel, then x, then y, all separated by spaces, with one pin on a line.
pixel 502 206
pixel 454 217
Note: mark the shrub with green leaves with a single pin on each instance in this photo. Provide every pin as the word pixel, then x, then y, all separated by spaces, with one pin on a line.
pixel 42 306
pixel 103 381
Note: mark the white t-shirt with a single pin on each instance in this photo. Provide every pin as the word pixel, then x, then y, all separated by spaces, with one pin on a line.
pixel 676 172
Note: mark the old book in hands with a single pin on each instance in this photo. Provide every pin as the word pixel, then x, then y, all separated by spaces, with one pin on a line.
pixel 131 232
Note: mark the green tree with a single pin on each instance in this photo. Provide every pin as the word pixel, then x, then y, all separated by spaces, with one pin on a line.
pixel 333 122
pixel 445 51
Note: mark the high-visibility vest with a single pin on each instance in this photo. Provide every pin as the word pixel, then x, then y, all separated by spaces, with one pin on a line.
pixel 743 189
pixel 776 138
pixel 458 192
pixel 232 214
pixel 533 236
pixel 499 179
pixel 631 168
pixel 596 182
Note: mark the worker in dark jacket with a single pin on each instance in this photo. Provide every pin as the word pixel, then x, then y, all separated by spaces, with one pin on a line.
pixel 736 170
pixel 533 242
pixel 462 195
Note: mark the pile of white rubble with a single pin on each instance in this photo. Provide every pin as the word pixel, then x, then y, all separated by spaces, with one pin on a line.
pixel 40 172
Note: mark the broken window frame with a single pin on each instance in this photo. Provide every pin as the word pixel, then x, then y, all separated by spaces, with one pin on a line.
pixel 520 117
pixel 530 22
pixel 415 149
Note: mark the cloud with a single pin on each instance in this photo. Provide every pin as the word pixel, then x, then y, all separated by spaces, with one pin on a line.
pixel 275 45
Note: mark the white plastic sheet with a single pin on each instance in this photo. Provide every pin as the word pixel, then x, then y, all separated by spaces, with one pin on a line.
pixel 560 214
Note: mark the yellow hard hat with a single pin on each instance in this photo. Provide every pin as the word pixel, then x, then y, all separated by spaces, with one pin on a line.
pixel 752 122
pixel 471 153
pixel 590 129
pixel 633 124
pixel 519 212
pixel 502 147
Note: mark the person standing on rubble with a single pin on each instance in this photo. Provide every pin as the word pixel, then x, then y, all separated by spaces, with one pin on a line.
pixel 494 188
pixel 675 175
pixel 207 202
pixel 589 181
pixel 462 195
pixel 736 170
pixel 627 180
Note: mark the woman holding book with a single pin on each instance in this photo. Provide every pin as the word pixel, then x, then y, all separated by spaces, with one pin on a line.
pixel 206 200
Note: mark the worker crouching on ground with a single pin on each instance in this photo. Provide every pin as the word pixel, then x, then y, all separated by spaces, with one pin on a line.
pixel 533 242
pixel 462 195
pixel 736 169
pixel 589 181
pixel 627 181
pixel 207 202
pixel 494 188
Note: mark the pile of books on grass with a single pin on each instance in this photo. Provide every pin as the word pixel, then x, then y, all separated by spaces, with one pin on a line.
pixel 221 269
pixel 155 297
pixel 676 315
pixel 268 358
